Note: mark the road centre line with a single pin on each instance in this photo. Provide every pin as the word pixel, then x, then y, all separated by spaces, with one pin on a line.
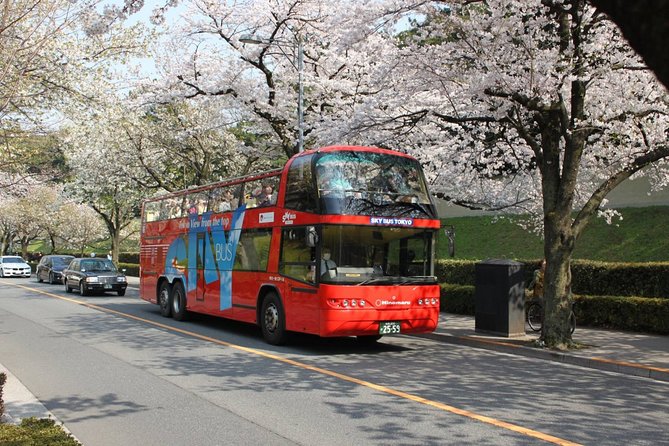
pixel 387 390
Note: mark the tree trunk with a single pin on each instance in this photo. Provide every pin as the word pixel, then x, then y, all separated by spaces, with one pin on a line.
pixel 24 247
pixel 115 244
pixel 558 248
pixel 558 186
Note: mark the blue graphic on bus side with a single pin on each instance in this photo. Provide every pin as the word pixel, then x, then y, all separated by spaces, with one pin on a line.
pixel 206 237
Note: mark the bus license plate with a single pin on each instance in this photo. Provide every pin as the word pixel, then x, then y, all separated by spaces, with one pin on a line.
pixel 389 327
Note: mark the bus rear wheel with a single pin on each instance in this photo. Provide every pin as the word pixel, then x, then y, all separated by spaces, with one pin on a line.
pixel 273 320
pixel 178 300
pixel 164 300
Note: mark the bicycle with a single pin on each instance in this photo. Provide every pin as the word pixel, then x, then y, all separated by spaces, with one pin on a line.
pixel 535 316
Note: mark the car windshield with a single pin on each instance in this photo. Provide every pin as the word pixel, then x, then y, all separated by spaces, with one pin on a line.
pixel 98 265
pixel 61 261
pixel 13 260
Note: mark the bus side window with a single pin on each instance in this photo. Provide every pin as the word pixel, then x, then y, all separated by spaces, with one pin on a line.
pixel 300 190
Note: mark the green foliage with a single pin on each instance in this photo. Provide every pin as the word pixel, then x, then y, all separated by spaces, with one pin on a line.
pixel 35 432
pixel 625 313
pixel 621 279
pixel 460 272
pixel 639 237
pixel 128 257
pixel 131 269
pixel 3 380
pixel 588 277
pixel 638 314
pixel 478 238
pixel 457 299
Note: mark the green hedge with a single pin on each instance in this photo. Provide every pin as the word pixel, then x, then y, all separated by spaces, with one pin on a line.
pixel 621 279
pixel 458 299
pixel 589 277
pixel 128 257
pixel 627 313
pixel 620 312
pixel 131 269
pixel 34 431
pixel 3 380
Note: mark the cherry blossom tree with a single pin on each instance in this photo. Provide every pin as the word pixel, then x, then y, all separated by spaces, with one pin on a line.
pixel 48 51
pixel 258 83
pixel 536 107
pixel 78 226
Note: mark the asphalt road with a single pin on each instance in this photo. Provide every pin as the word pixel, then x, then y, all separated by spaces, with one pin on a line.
pixel 116 372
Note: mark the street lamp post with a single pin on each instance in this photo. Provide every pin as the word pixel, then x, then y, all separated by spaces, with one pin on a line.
pixel 300 82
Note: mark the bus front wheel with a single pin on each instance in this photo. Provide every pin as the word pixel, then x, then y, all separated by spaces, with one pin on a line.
pixel 178 300
pixel 273 320
pixel 164 300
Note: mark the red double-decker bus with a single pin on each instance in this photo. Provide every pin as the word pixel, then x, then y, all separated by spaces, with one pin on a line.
pixel 339 242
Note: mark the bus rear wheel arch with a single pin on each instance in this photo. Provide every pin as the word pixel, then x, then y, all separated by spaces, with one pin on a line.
pixel 273 319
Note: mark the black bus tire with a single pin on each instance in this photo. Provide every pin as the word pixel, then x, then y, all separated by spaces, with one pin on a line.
pixel 273 320
pixel 178 301
pixel 164 300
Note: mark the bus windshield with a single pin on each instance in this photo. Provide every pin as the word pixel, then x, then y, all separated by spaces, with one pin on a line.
pixel 376 255
pixel 370 183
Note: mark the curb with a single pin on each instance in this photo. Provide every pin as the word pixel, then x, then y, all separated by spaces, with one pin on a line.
pixel 608 365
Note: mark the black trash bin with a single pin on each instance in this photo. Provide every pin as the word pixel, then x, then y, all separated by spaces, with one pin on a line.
pixel 500 298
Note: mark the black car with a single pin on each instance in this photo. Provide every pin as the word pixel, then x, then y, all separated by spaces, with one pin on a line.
pixel 50 267
pixel 94 274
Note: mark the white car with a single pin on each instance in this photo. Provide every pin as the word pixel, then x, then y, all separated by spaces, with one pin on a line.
pixel 14 266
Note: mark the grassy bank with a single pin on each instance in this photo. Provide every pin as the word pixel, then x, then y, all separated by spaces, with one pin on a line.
pixel 640 237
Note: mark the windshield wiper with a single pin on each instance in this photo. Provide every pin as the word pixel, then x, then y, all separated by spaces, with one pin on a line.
pixel 374 280
pixel 400 280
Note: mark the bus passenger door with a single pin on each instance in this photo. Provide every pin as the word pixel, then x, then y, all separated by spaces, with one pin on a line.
pixel 297 265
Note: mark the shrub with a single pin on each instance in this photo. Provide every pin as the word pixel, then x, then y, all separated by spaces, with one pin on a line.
pixel 460 272
pixel 34 431
pixel 128 257
pixel 639 314
pixel 627 313
pixel 589 277
pixel 621 279
pixel 131 269
pixel 458 299
pixel 3 380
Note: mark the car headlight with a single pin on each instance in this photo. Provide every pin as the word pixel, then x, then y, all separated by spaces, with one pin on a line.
pixel 93 279
pixel 120 279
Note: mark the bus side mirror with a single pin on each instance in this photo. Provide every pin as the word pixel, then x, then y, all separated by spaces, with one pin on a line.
pixel 312 237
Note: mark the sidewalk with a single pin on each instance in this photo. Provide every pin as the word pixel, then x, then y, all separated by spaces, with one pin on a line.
pixel 630 353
